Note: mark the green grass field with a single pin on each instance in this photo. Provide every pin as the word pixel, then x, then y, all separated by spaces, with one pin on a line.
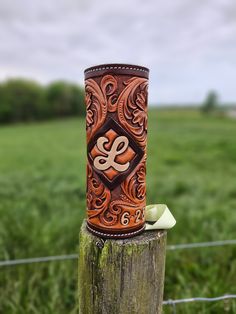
pixel 191 167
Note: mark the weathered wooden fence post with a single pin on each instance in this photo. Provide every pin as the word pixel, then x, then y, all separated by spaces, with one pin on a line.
pixel 121 276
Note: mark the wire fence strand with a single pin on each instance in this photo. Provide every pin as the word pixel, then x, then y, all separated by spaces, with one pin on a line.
pixel 201 244
pixel 200 299
pixel 169 247
pixel 75 256
pixel 38 260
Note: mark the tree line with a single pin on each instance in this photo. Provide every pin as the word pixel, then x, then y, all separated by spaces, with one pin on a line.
pixel 25 100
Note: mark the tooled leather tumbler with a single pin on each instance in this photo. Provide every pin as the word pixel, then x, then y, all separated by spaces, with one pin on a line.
pixel 116 125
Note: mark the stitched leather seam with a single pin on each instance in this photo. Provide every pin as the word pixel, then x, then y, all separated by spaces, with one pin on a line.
pixel 115 235
pixel 116 68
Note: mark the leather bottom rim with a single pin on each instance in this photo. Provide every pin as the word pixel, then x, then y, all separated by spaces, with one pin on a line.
pixel 115 235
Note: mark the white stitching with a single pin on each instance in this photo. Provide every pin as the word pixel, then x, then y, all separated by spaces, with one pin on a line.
pixel 115 67
pixel 115 235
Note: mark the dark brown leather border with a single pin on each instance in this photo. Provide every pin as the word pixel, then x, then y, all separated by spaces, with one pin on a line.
pixel 109 230
pixel 116 68
pixel 110 235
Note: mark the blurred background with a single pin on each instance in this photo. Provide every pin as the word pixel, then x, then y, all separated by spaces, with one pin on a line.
pixel 190 48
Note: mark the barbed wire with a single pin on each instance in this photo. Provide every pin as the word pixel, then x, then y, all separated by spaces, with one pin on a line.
pixel 201 244
pixel 75 256
pixel 199 299
pixel 171 302
pixel 38 260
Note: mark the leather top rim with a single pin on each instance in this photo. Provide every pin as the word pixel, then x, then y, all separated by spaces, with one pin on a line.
pixel 116 68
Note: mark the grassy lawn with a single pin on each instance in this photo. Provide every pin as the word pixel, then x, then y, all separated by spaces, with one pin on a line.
pixel 191 167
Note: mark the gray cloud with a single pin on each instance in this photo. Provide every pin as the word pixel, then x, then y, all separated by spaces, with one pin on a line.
pixel 189 46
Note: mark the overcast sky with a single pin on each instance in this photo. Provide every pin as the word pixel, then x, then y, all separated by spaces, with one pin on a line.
pixel 189 45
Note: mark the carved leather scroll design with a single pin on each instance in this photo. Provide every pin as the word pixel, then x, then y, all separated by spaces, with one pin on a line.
pixel 132 108
pixel 96 107
pixel 99 197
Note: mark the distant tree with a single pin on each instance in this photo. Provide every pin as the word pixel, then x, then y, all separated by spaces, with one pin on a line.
pixel 211 103
pixel 5 110
pixel 25 100
pixel 77 100
pixel 65 99
pixel 20 100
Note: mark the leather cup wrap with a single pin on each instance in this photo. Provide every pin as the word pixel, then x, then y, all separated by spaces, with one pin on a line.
pixel 116 126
